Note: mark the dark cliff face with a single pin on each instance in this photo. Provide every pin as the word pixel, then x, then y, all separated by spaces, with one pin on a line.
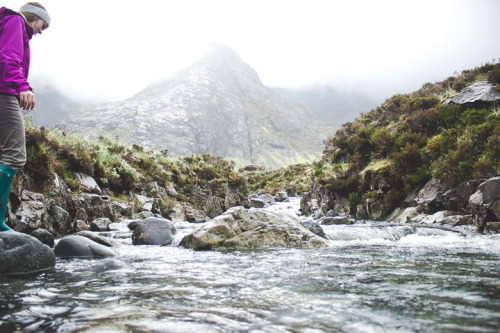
pixel 217 106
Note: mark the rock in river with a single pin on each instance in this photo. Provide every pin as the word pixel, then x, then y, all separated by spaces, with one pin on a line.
pixel 239 228
pixel 154 231
pixel 82 247
pixel 21 253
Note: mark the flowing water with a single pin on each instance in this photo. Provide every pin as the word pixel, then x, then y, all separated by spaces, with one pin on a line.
pixel 374 277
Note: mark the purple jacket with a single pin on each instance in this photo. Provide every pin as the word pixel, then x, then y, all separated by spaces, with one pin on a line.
pixel 15 35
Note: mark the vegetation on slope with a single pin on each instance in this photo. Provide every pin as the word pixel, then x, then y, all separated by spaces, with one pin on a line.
pixel 122 169
pixel 397 147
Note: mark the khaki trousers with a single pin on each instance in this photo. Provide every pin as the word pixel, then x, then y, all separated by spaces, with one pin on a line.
pixel 12 139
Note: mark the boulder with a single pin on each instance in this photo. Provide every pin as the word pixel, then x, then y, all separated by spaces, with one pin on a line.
pixel 239 228
pixel 171 191
pixel 267 198
pixel 481 92
pixel 154 231
pixel 88 183
pixel 96 206
pixel 80 225
pixel 281 196
pixel 100 224
pixel 94 237
pixel 485 203
pixel 31 212
pixel 257 203
pixel 195 215
pixel 60 220
pixel 23 254
pixel 315 228
pixel 147 203
pixel 81 247
pixel 406 215
pixel 44 236
pixel 176 213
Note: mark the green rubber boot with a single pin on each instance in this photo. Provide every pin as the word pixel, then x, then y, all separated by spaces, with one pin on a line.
pixel 6 176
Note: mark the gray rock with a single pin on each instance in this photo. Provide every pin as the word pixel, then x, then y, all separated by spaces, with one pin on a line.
pixel 80 225
pixel 60 220
pixel 281 196
pixel 94 237
pixel 147 203
pixel 176 213
pixel 315 228
pixel 329 220
pixel 118 226
pixel 267 198
pixel 257 203
pixel 493 227
pixel 88 183
pixel 481 91
pixel 81 247
pixel 239 228
pixel 100 224
pixel 154 231
pixel 171 191
pixel 143 215
pixel 485 203
pixel 195 215
pixel 31 212
pixel 44 236
pixel 23 254
pixel 251 167
pixel 96 206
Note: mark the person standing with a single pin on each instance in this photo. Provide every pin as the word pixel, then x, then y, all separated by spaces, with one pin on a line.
pixel 16 31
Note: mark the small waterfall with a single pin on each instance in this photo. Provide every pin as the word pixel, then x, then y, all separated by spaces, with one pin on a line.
pixel 367 232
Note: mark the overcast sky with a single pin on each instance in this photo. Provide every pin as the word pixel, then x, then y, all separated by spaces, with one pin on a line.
pixel 112 49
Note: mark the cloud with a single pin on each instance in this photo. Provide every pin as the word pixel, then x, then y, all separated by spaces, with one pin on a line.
pixel 113 49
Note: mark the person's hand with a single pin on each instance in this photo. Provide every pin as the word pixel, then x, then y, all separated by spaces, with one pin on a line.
pixel 27 100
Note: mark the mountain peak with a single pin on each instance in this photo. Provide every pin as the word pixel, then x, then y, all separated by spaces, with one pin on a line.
pixel 217 106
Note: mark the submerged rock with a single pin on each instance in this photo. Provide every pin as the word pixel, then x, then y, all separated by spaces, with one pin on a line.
pixel 109 265
pixel 239 228
pixel 23 254
pixel 82 247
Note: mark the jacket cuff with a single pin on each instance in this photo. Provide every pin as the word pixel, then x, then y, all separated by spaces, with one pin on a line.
pixel 23 87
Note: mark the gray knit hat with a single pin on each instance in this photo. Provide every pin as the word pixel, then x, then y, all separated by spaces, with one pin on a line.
pixel 35 10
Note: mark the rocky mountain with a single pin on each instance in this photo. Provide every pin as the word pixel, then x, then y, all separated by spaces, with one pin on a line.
pixel 328 103
pixel 218 106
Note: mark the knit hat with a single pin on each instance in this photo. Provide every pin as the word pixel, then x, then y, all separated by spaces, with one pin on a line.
pixel 35 10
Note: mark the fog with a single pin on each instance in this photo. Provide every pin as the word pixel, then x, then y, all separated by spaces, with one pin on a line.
pixel 110 50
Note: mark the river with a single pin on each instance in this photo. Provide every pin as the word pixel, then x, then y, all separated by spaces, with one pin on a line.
pixel 374 277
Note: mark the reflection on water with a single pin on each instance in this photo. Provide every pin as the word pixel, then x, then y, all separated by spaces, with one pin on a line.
pixel 371 279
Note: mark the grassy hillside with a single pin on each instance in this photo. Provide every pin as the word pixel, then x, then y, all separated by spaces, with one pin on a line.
pixel 397 147
pixel 123 169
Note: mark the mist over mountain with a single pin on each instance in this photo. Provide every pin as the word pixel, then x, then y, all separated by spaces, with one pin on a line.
pixel 52 105
pixel 218 106
pixel 326 102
